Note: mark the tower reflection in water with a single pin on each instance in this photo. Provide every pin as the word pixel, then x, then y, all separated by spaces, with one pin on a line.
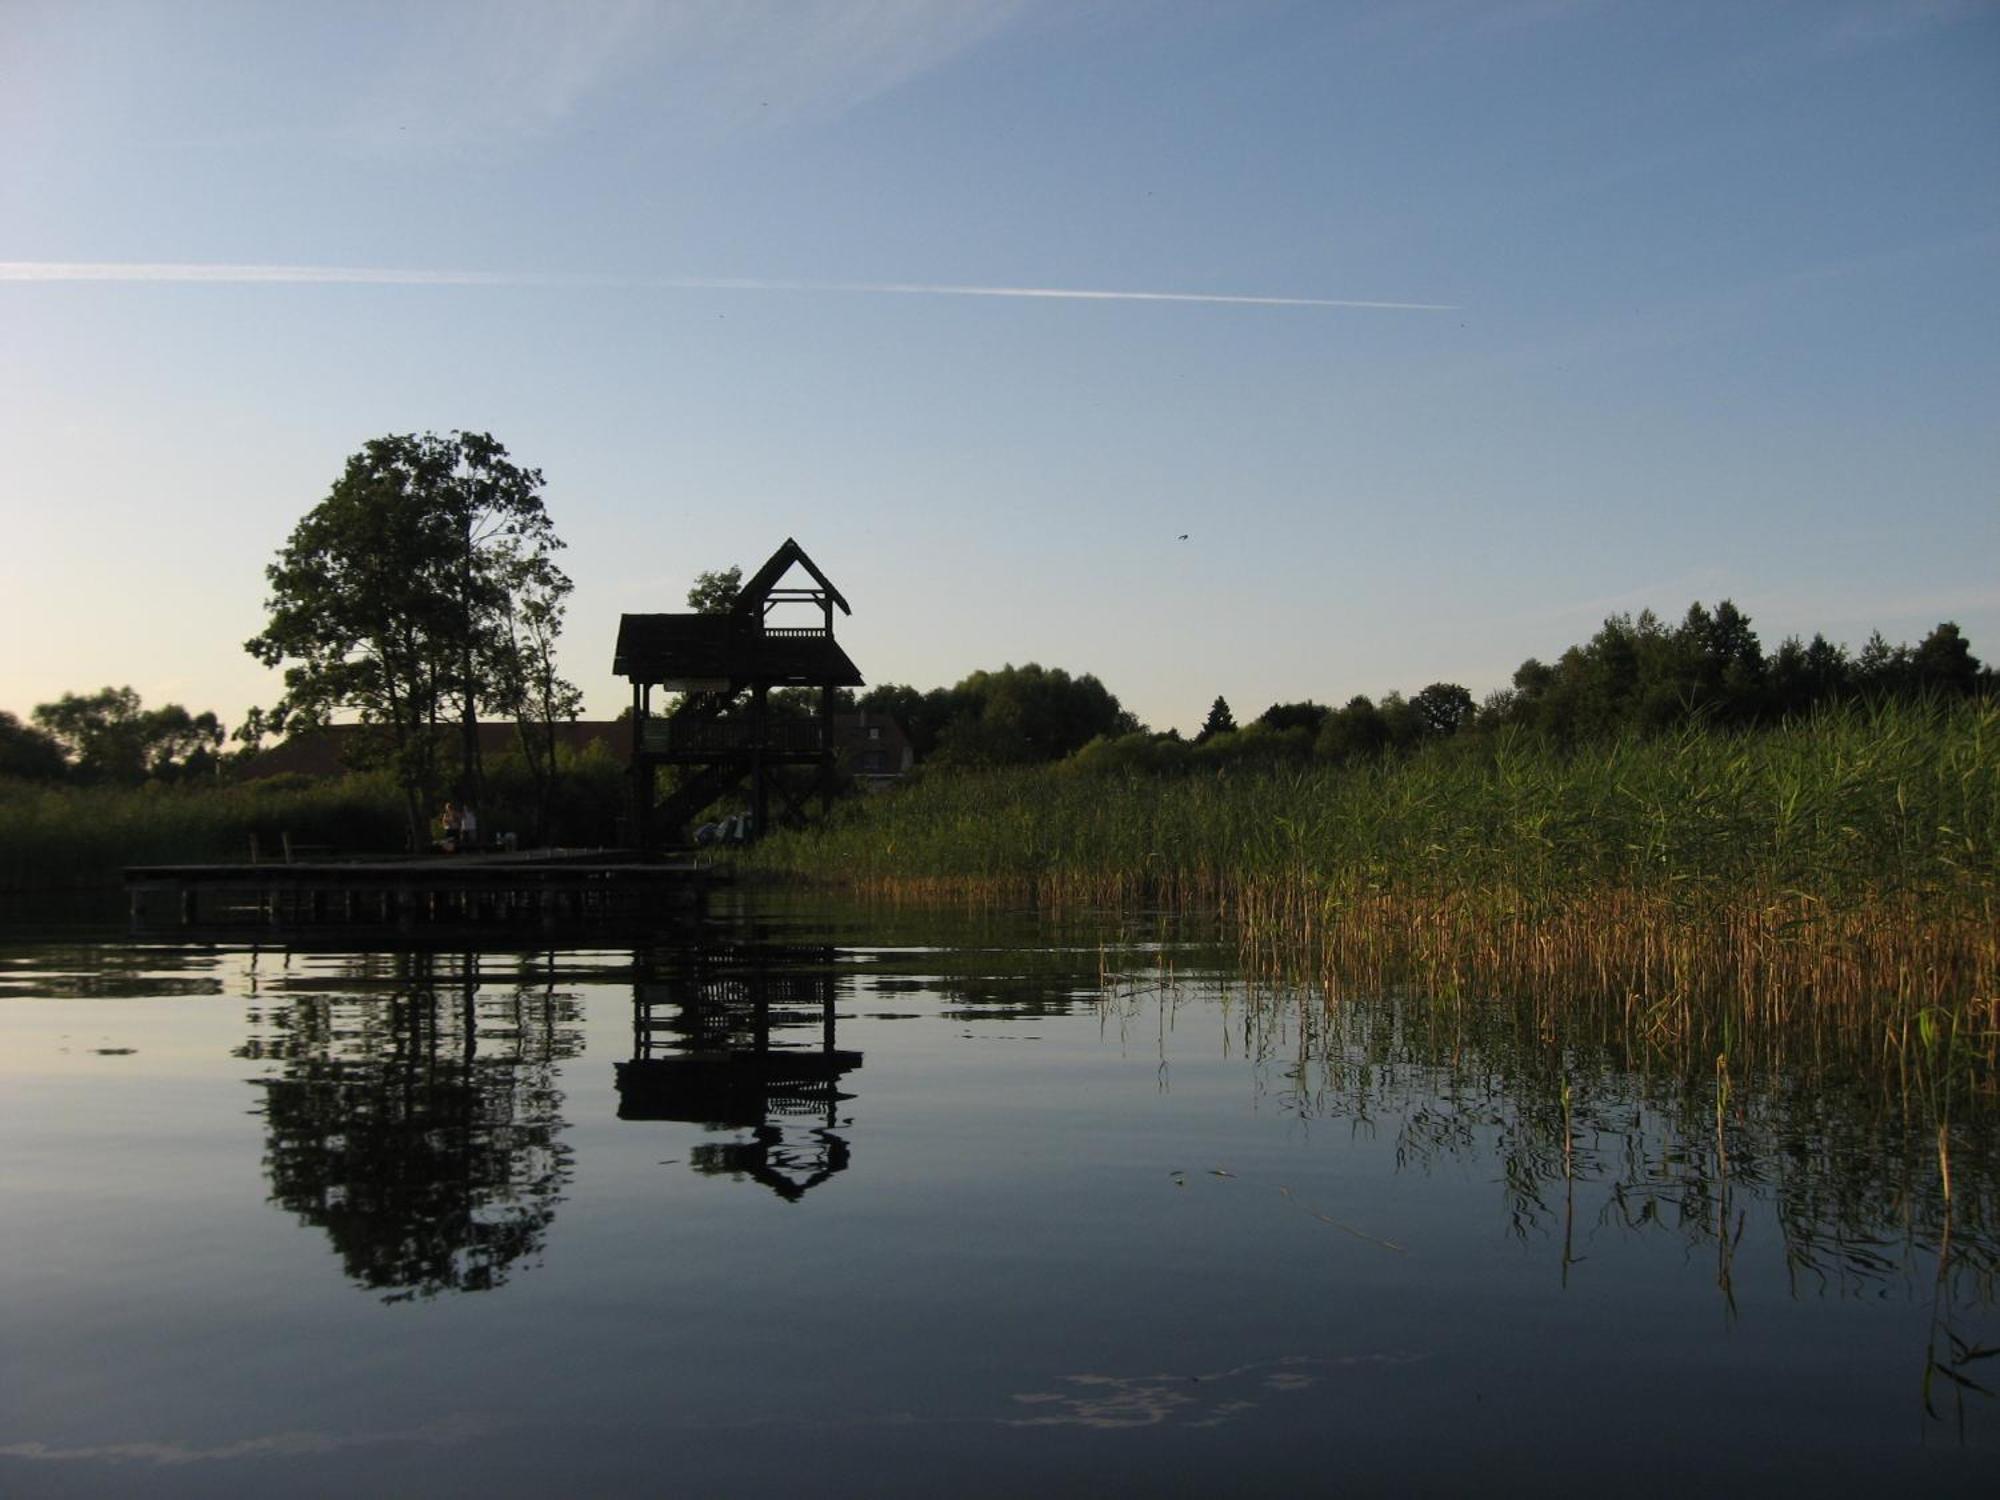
pixel 742 1039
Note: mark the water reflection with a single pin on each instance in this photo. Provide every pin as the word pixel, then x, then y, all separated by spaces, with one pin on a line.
pixel 1210 1398
pixel 108 971
pixel 1594 1136
pixel 418 1121
pixel 1178 1203
pixel 742 1038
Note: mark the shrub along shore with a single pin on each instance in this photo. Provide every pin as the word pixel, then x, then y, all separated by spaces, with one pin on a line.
pixel 52 837
pixel 1845 865
pixel 66 836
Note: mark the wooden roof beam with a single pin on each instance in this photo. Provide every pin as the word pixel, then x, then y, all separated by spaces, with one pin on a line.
pixel 762 586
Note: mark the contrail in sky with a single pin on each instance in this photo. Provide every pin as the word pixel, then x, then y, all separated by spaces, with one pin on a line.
pixel 236 275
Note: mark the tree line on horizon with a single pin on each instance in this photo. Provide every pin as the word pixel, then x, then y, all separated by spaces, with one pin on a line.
pixel 422 593
pixel 110 738
pixel 1637 674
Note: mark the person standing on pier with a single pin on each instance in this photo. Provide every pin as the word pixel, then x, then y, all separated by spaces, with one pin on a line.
pixel 449 822
pixel 468 829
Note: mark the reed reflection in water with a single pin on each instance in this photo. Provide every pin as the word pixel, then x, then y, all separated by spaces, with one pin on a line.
pixel 1097 1206
pixel 1865 1174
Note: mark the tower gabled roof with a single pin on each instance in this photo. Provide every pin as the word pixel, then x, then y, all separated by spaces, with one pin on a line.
pixel 662 648
pixel 757 588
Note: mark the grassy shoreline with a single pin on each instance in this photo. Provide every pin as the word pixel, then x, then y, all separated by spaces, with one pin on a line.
pixel 54 838
pixel 1897 798
pixel 74 837
pixel 1839 872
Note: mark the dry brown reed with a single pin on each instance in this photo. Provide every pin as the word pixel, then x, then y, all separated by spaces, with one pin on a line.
pixel 1769 977
pixel 1772 971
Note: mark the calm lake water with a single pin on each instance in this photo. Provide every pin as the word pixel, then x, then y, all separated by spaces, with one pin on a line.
pixel 818 1201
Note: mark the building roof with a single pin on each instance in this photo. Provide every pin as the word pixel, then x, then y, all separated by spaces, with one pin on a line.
pixel 737 648
pixel 323 752
pixel 694 645
pixel 727 648
pixel 750 596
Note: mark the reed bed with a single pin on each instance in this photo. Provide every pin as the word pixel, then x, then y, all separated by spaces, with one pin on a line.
pixel 56 837
pixel 1842 871
pixel 52 837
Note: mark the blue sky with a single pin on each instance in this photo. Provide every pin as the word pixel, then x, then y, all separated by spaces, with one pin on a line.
pixel 1708 309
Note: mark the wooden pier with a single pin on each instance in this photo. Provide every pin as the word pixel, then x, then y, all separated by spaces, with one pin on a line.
pixel 531 889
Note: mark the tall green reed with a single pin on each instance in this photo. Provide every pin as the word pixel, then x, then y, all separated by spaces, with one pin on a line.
pixel 1902 797
pixel 1837 874
pixel 72 836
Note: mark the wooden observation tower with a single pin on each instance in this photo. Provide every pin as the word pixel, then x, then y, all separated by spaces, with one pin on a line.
pixel 724 728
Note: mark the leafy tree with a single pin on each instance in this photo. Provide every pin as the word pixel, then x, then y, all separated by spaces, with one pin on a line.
pixel 1883 670
pixel 1944 662
pixel 110 736
pixel 1355 731
pixel 1712 665
pixel 1532 678
pixel 714 593
pixel 101 732
pixel 1496 708
pixel 179 744
pixel 1615 676
pixel 1010 717
pixel 401 596
pixel 541 697
pixel 1801 676
pixel 1219 721
pixel 1306 715
pixel 1256 746
pixel 28 753
pixel 1590 689
pixel 1134 754
pixel 1400 721
pixel 1028 713
pixel 1443 708
pixel 1637 673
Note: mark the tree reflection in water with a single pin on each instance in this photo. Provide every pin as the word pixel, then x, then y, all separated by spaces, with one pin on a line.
pixel 742 1038
pixel 420 1128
